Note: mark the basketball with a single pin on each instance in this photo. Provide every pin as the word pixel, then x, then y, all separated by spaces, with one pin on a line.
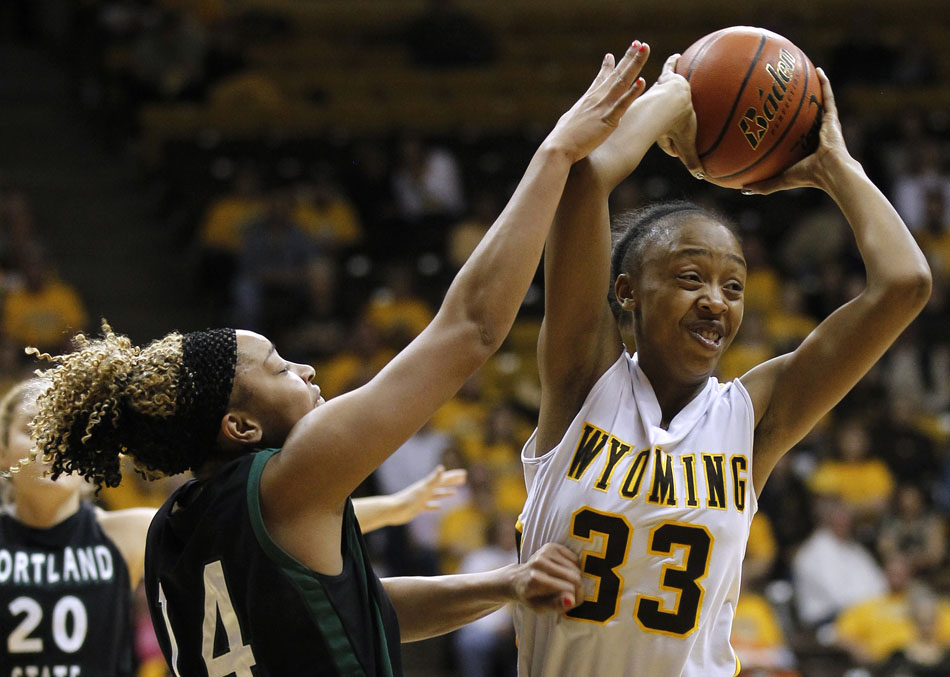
pixel 758 104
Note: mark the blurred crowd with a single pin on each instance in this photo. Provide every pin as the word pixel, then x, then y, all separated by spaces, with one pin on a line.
pixel 339 250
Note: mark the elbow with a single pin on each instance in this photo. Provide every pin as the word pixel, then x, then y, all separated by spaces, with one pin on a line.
pixel 910 290
pixel 918 286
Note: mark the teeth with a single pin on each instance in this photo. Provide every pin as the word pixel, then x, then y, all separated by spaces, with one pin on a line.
pixel 709 335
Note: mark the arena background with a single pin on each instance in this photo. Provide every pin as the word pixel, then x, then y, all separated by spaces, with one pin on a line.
pixel 318 170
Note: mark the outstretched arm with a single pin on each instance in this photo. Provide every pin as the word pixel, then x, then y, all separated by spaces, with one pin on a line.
pixel 792 392
pixel 376 512
pixel 428 606
pixel 579 337
pixel 337 445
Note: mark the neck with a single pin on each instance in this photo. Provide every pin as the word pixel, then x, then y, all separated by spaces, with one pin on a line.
pixel 671 395
pixel 42 511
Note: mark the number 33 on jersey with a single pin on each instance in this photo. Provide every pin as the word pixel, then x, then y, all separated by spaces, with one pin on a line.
pixel 659 518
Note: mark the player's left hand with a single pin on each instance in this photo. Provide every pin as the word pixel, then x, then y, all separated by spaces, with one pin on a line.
pixel 550 580
pixel 426 494
pixel 817 169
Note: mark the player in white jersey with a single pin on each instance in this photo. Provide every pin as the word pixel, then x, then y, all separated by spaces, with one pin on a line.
pixel 644 463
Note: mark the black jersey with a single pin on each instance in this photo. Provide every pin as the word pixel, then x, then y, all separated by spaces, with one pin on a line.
pixel 65 600
pixel 226 601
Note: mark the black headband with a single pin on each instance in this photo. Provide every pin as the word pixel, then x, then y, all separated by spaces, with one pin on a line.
pixel 204 384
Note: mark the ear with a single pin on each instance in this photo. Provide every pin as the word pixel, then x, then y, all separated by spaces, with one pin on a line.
pixel 239 428
pixel 626 294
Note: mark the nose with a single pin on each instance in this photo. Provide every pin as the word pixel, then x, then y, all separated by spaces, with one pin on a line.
pixel 306 372
pixel 712 301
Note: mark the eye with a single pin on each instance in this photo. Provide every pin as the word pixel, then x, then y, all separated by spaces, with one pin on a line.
pixel 690 277
pixel 735 287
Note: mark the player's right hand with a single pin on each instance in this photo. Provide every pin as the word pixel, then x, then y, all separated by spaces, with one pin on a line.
pixel 680 139
pixel 550 580
pixel 597 113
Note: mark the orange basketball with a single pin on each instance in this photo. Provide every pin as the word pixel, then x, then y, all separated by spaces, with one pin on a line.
pixel 758 104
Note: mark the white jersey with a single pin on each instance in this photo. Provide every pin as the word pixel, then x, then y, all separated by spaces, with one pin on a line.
pixel 660 519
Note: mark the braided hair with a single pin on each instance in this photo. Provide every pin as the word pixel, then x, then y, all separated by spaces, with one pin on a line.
pixel 161 404
pixel 632 231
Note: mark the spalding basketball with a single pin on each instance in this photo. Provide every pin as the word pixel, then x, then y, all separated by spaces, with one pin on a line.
pixel 758 104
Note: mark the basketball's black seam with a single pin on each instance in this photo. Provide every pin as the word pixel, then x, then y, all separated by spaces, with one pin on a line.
pixel 735 102
pixel 788 127
pixel 699 53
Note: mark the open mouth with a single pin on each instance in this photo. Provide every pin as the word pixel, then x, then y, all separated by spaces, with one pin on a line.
pixel 710 338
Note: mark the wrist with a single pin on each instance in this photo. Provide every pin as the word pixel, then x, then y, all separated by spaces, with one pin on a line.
pixel 507 588
pixel 837 170
pixel 557 152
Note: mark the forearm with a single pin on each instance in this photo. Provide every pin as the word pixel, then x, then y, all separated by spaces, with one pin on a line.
pixel 489 288
pixel 434 605
pixel 893 261
pixel 648 118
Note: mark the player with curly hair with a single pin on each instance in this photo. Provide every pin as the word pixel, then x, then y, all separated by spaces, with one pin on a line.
pixel 258 566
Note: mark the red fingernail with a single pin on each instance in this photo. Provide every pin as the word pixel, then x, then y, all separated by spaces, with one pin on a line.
pixel 643 47
pixel 636 45
pixel 566 601
pixel 641 81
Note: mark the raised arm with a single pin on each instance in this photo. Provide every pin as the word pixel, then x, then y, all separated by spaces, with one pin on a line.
pixel 337 445
pixel 792 392
pixel 579 337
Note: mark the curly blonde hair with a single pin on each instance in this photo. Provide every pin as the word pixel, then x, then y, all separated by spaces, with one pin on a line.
pixel 109 397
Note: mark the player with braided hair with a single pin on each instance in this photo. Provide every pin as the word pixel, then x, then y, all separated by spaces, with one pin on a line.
pixel 643 462
pixel 258 566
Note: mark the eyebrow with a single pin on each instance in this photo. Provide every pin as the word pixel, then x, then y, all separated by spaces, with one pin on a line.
pixel 700 251
pixel 273 349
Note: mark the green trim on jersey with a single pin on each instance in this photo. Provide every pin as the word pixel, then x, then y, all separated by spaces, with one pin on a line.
pixel 310 589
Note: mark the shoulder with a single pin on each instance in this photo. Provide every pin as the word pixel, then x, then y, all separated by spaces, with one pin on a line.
pixel 128 530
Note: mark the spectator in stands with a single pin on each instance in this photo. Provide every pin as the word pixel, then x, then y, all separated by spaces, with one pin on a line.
pixel 360 359
pixel 751 347
pixel 270 289
pixel 925 180
pixel 934 234
pixel 874 629
pixel 915 368
pixel 41 309
pixel 321 330
pixel 465 235
pixel 428 190
pixel 395 310
pixel 788 504
pixel 910 453
pixel 831 570
pixel 787 324
pixel 863 482
pixel 221 233
pixel 412 549
pixel 757 634
pixel 326 213
pixel 911 529
pixel 927 654
pixel 168 57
